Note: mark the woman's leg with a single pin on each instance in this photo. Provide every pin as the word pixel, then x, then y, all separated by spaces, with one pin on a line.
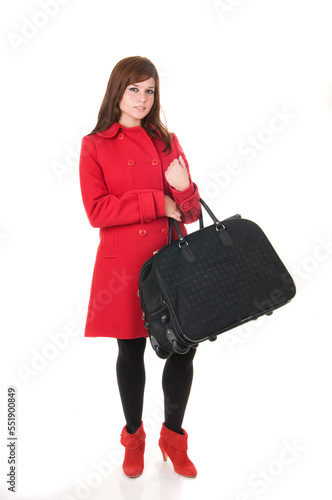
pixel 130 371
pixel 176 382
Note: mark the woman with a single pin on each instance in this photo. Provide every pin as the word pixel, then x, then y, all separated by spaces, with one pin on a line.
pixel 133 175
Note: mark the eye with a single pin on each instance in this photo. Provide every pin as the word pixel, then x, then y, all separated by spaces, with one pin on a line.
pixel 150 91
pixel 133 88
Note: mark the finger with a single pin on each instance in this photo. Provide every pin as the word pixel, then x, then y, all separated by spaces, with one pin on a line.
pixel 181 161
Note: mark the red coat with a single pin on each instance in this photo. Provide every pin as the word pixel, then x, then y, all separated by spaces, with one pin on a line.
pixel 122 177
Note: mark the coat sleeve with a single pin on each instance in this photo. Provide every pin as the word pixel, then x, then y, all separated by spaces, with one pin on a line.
pixel 188 199
pixel 104 209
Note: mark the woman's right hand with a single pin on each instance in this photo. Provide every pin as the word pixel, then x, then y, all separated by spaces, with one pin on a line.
pixel 172 209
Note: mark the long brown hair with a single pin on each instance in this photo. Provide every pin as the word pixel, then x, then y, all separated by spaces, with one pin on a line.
pixel 128 71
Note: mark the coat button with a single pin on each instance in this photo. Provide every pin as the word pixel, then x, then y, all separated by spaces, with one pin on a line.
pixel 121 136
pixel 155 161
pixel 164 230
pixel 131 162
pixel 186 205
pixel 142 232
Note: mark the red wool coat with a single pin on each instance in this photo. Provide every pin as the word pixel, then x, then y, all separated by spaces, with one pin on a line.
pixel 122 178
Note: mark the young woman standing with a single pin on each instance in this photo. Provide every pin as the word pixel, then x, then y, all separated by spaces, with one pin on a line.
pixel 133 175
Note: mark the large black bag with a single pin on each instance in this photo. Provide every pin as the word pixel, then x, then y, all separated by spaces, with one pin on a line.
pixel 210 281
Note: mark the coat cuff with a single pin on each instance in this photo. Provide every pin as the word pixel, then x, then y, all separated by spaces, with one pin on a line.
pixel 152 205
pixel 186 199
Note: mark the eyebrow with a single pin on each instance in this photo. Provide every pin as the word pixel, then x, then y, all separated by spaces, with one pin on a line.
pixel 136 85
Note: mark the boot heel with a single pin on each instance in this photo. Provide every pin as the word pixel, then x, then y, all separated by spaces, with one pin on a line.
pixel 164 454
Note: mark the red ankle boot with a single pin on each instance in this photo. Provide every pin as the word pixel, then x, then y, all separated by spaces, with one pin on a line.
pixel 175 446
pixel 133 463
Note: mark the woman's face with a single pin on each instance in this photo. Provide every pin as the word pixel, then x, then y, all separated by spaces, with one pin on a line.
pixel 136 102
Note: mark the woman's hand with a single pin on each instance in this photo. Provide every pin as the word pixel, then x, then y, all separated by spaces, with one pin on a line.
pixel 171 209
pixel 177 175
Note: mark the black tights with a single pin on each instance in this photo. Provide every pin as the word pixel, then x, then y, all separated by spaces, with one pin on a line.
pixel 176 383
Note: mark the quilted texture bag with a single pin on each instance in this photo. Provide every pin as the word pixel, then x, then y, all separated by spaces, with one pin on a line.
pixel 209 281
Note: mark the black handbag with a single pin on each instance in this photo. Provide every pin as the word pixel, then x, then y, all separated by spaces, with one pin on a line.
pixel 209 281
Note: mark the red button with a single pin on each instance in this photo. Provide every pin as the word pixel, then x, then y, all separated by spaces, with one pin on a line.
pixel 131 162
pixel 142 232
pixel 155 161
pixel 148 220
pixel 164 230
pixel 186 205
pixel 121 136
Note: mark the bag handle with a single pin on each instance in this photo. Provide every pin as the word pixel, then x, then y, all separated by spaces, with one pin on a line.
pixel 219 226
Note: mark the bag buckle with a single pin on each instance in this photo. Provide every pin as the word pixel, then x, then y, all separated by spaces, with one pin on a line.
pixel 182 240
pixel 218 225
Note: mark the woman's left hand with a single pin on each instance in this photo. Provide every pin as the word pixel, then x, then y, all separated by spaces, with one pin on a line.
pixel 177 175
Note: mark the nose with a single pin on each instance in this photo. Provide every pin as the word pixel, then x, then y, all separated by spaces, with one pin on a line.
pixel 141 96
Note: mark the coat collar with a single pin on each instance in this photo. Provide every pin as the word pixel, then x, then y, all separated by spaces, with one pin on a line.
pixel 114 129
pixel 111 131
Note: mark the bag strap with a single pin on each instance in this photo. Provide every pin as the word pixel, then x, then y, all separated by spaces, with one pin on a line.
pixel 209 211
pixel 220 228
pixel 171 220
pixel 201 223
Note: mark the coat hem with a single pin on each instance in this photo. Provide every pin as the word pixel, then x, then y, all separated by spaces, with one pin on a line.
pixel 113 337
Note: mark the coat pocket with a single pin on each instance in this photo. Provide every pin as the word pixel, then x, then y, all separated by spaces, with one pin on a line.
pixel 110 241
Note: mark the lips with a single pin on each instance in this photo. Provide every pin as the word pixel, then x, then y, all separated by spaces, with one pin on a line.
pixel 140 108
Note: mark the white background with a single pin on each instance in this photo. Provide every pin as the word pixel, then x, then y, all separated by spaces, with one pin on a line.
pixel 225 69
